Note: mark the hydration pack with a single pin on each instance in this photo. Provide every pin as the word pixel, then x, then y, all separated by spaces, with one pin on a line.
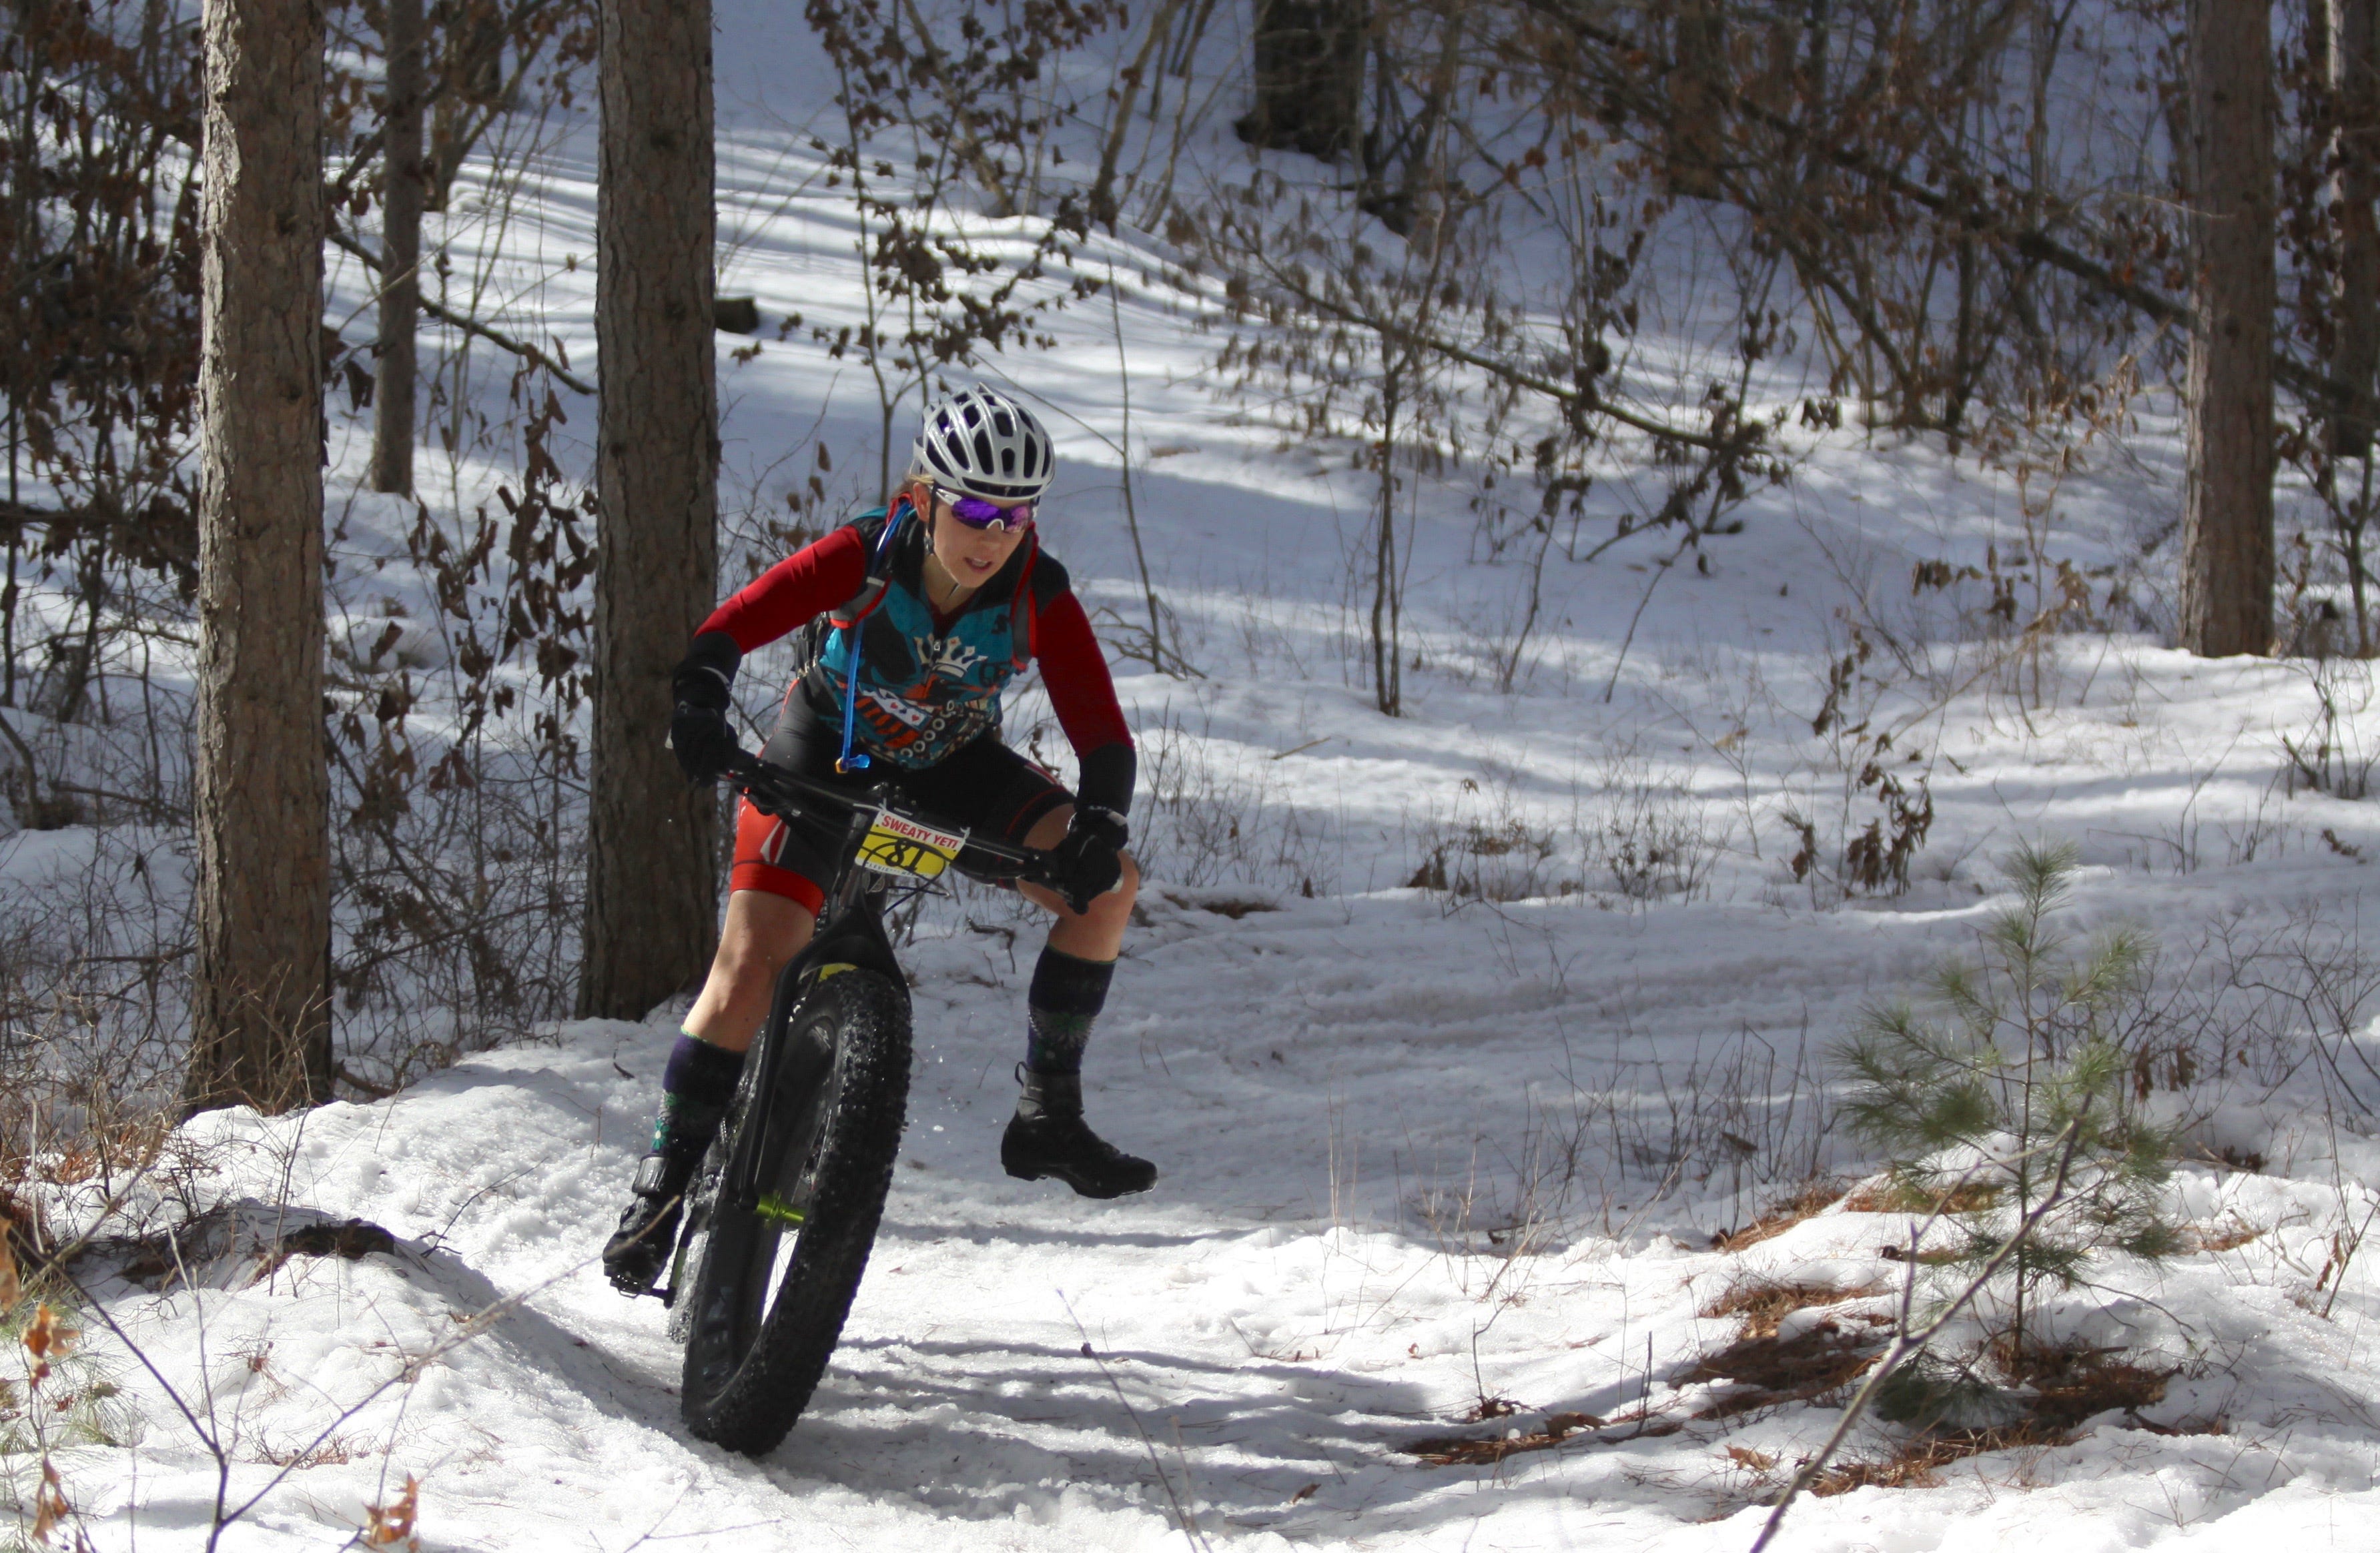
pixel 921 690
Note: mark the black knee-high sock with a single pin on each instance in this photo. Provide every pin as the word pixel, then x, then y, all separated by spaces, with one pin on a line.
pixel 695 1087
pixel 1066 998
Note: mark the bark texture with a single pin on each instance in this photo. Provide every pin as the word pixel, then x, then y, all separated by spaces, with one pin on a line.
pixel 2226 561
pixel 1692 143
pixel 2355 182
pixel 261 1010
pixel 400 296
pixel 1309 76
pixel 651 877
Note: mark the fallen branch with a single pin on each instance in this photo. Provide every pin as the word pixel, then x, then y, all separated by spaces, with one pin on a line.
pixel 1181 1515
pixel 1907 1345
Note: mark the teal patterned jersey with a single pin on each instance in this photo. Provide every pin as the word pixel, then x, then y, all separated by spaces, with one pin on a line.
pixel 929 685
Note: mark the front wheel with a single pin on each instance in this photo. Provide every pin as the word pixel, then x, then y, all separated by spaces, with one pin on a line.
pixel 794 1210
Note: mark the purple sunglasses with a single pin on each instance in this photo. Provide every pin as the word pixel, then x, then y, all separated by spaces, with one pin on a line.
pixel 976 513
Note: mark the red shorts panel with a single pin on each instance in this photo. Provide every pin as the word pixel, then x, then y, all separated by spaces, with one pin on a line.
pixel 760 856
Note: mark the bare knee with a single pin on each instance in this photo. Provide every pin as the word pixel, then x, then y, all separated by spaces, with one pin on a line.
pixel 1105 915
pixel 1114 908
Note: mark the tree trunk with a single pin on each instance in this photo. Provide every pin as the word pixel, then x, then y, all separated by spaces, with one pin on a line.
pixel 1387 674
pixel 2226 561
pixel 400 296
pixel 651 877
pixel 1309 76
pixel 261 1008
pixel 472 36
pixel 1691 140
pixel 2355 182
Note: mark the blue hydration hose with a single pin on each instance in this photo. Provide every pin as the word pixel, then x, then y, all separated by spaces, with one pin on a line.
pixel 848 762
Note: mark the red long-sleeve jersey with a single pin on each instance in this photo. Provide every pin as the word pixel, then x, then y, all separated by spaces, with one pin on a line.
pixel 829 573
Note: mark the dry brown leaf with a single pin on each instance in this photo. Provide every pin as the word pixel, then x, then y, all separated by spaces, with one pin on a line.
pixel 46 1336
pixel 11 1287
pixel 391 1525
pixel 49 1507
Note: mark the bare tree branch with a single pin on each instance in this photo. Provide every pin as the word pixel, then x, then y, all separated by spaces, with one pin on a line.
pixel 1962 205
pixel 1570 395
pixel 496 337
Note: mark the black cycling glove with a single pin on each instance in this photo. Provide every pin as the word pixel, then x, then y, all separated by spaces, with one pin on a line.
pixel 700 732
pixel 1090 862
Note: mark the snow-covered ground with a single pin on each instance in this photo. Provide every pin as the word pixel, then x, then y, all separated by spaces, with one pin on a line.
pixel 1437 1161
pixel 1349 1097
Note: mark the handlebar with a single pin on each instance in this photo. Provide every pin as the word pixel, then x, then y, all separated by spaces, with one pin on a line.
pixel 789 796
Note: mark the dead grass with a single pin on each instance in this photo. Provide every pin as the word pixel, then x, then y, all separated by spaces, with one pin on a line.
pixel 1900 1196
pixel 335 1452
pixel 1236 909
pixel 2074 1384
pixel 1478 1450
pixel 24 1230
pixel 2070 1385
pixel 2217 1237
pixel 2233 1158
pixel 1807 1203
pixel 354 1240
pixel 2062 1388
pixel 1914 1465
pixel 1770 1371
pixel 157 1260
pixel 1764 1303
pixel 1234 906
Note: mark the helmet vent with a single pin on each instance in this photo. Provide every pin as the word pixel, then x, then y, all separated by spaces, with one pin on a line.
pixel 983 444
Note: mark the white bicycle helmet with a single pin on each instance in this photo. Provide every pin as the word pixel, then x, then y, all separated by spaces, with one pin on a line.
pixel 981 443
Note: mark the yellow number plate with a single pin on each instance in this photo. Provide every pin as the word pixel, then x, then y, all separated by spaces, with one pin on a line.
pixel 905 848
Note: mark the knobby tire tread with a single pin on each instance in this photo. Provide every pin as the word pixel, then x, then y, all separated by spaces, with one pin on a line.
pixel 755 1409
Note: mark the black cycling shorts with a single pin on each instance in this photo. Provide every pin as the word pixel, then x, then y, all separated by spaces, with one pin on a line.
pixel 983 786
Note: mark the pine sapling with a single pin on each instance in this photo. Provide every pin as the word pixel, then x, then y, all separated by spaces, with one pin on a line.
pixel 2010 1051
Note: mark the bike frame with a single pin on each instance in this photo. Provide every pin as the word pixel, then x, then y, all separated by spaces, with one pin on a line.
pixel 850 931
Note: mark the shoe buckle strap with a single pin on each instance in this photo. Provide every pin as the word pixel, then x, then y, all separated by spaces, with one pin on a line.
pixel 653 1178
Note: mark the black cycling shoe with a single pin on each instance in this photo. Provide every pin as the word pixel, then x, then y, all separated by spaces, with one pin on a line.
pixel 648 1231
pixel 1047 1137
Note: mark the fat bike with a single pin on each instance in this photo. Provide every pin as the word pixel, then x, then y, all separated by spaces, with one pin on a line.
pixel 783 1212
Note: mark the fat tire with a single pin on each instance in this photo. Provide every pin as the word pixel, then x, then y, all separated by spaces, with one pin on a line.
pixel 747 1402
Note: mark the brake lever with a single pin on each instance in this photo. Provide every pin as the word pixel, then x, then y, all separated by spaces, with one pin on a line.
pixel 745 772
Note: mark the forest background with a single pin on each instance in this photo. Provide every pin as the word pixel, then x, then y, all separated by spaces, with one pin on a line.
pixel 330 711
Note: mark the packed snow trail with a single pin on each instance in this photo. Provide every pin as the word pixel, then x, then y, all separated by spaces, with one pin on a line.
pixel 1253 1343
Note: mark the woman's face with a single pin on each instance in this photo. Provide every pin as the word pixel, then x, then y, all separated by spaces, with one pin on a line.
pixel 972 556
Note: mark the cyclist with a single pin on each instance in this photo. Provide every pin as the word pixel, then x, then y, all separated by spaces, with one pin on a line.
pixel 919 616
